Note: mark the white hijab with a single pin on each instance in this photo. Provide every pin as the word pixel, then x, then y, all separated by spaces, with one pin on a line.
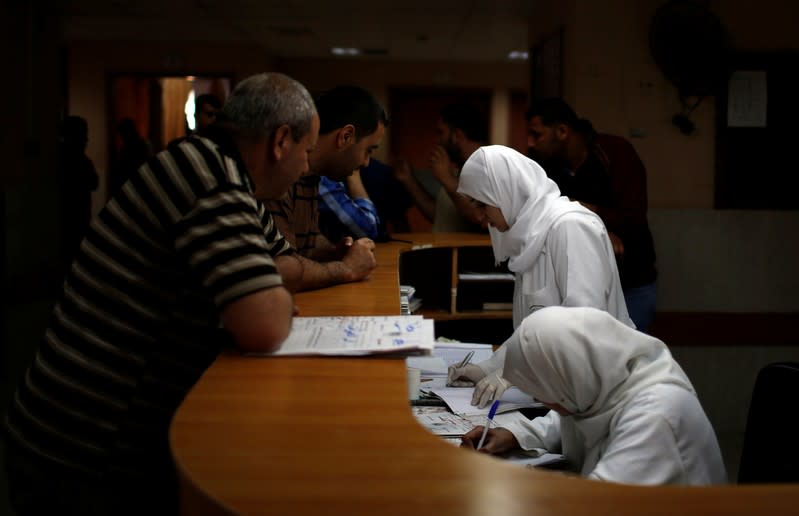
pixel 530 202
pixel 592 365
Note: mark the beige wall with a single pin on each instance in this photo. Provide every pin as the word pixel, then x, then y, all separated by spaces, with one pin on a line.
pixel 379 77
pixel 91 64
pixel 610 78
pixel 620 89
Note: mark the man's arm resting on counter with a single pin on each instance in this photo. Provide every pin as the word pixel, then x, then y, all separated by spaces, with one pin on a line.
pixel 300 273
pixel 260 321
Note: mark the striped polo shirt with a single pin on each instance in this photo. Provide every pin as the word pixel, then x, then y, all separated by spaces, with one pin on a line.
pixel 139 317
pixel 297 214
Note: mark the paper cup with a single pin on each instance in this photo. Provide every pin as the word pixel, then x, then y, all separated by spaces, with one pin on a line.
pixel 414 377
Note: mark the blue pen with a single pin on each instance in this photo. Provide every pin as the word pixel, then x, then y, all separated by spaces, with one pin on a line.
pixel 489 419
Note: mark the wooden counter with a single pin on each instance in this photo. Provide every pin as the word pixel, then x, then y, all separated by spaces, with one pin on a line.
pixel 336 436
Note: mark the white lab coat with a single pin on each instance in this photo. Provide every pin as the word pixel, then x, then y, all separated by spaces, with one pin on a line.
pixel 662 436
pixel 559 251
pixel 575 268
pixel 633 415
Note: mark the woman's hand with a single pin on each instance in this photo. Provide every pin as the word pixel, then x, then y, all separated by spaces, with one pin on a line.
pixel 498 440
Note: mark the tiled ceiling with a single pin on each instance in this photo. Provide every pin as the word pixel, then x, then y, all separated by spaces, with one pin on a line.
pixel 459 30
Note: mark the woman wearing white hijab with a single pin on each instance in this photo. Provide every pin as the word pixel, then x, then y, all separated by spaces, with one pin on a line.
pixel 559 251
pixel 622 409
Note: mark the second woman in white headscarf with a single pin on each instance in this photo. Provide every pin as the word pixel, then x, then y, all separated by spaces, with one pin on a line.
pixel 622 409
pixel 559 251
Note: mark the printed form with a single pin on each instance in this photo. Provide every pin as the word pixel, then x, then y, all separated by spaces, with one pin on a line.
pixel 353 336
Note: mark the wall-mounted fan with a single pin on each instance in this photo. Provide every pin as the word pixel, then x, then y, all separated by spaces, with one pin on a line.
pixel 689 44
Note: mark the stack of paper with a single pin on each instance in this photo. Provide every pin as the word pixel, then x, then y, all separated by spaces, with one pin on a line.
pixel 409 303
pixel 400 335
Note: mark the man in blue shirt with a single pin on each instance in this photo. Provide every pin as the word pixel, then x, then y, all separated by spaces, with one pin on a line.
pixel 346 209
pixel 352 126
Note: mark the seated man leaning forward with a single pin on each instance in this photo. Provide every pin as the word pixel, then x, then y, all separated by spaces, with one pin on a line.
pixel 621 408
pixel 352 124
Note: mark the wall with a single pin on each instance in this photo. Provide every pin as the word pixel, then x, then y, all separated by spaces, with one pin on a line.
pixel 379 76
pixel 619 87
pixel 550 17
pixel 610 78
pixel 91 63
pixel 726 260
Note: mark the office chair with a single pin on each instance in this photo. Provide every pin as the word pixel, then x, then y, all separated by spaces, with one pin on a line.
pixel 771 441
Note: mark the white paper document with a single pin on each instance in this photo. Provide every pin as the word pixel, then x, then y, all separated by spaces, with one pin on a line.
pixel 446 354
pixel 354 336
pixel 441 421
pixel 532 458
pixel 444 423
pixel 459 400
pixel 747 99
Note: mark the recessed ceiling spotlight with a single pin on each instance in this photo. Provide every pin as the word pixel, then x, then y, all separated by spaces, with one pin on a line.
pixel 345 51
pixel 518 54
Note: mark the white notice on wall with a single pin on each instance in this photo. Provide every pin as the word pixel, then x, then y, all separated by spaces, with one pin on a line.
pixel 747 99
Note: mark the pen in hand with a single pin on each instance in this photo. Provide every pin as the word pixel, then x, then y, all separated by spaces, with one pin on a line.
pixel 466 359
pixel 452 371
pixel 489 420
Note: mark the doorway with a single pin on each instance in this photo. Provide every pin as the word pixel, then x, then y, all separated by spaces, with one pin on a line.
pixel 159 108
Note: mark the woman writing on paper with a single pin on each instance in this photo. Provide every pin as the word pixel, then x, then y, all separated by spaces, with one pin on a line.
pixel 559 251
pixel 622 410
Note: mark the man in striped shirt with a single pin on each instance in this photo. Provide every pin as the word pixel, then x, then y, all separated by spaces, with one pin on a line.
pixel 179 264
pixel 352 126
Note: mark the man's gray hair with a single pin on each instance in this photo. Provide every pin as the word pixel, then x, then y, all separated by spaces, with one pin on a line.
pixel 261 103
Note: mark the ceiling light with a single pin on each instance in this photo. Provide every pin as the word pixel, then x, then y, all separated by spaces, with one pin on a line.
pixel 345 51
pixel 518 54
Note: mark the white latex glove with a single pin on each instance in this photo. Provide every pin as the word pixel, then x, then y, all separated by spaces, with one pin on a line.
pixel 490 388
pixel 465 376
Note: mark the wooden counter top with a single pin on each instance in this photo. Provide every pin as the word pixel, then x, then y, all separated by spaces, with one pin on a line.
pixel 336 436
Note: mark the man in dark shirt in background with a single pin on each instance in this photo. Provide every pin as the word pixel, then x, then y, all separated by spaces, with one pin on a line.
pixel 605 174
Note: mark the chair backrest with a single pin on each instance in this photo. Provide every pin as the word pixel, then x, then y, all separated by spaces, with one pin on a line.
pixel 771 442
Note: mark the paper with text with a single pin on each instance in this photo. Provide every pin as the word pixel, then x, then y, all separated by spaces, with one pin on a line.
pixel 446 354
pixel 353 336
pixel 459 400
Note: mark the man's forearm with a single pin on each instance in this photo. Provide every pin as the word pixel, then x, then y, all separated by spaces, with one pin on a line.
pixel 325 274
pixel 300 273
pixel 322 254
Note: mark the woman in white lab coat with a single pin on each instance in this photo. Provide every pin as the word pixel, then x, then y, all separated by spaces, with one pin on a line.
pixel 622 410
pixel 559 251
